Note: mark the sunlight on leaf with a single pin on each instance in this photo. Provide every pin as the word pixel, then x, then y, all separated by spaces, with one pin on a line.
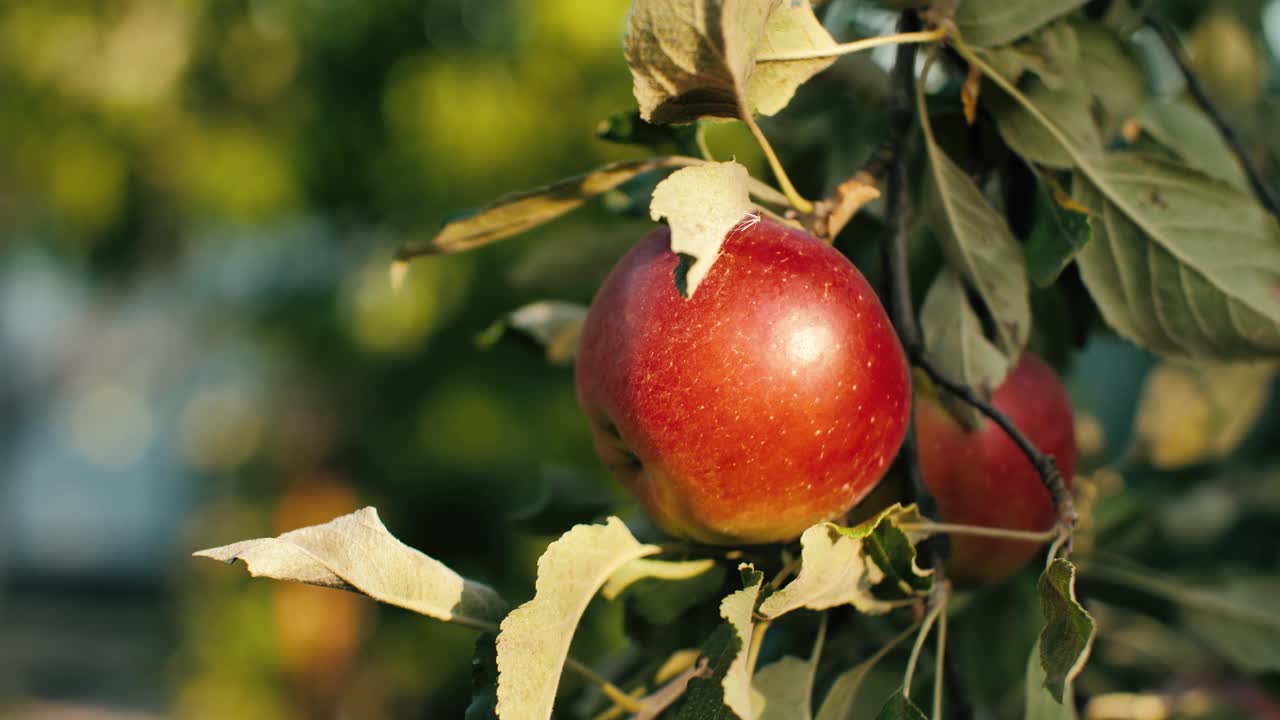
pixel 644 568
pixel 702 204
pixel 356 552
pixel 535 637
pixel 841 566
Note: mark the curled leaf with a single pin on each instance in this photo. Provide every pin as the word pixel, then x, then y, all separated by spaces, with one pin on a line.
pixel 535 637
pixel 356 552
pixel 702 204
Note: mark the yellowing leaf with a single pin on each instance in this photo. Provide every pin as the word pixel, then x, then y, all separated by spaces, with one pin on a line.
pixel 356 552
pixel 692 59
pixel 738 609
pixel 792 28
pixel 840 566
pixel 517 212
pixel 1193 413
pixel 702 204
pixel 642 568
pixel 535 637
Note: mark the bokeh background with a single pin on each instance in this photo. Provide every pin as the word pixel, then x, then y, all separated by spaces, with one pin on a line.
pixel 198 342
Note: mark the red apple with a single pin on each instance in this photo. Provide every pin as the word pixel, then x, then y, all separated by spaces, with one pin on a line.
pixel 982 478
pixel 774 398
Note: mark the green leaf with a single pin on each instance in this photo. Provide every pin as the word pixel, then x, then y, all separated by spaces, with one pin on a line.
pixel 1059 235
pixel 1236 616
pixel 535 637
pixel 1200 277
pixel 1180 263
pixel 356 552
pixel 1184 130
pixel 727 693
pixel 997 22
pixel 1052 54
pixel 628 128
pixel 517 212
pixel 562 498
pixel 1029 138
pixel 704 696
pixel 1068 633
pixel 839 703
pixel 981 248
pixel 953 335
pixel 1107 68
pixel 784 688
pixel 1040 703
pixel 484 680
pixel 898 707
pixel 702 204
pixel 843 566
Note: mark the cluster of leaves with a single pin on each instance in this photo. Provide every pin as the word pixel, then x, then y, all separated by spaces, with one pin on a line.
pixel 1142 199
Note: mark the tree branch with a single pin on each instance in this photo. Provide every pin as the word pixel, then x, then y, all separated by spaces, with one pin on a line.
pixel 1202 99
pixel 1043 463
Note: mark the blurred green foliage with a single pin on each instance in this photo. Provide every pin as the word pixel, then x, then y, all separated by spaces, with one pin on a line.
pixel 246 169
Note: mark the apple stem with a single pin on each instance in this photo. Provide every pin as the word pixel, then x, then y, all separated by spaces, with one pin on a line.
pixel 615 694
pixel 856 46
pixel 1197 91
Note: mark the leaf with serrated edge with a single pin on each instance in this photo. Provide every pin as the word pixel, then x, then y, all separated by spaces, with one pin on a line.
pixel 704 695
pixel 738 609
pixel 982 249
pixel 898 707
pixel 836 568
pixel 953 335
pixel 996 22
pixel 1069 630
pixel 555 324
pixel 702 204
pixel 535 637
pixel 1214 249
pixel 692 59
pixel 1192 413
pixel 1039 703
pixel 642 568
pixel 517 212
pixel 356 552
pixel 792 27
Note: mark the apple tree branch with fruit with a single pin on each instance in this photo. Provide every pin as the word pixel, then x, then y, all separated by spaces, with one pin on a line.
pixel 826 483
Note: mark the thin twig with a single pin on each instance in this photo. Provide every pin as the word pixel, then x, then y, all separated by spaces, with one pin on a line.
pixel 1202 99
pixel 937 604
pixel 616 694
pixel 1043 463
